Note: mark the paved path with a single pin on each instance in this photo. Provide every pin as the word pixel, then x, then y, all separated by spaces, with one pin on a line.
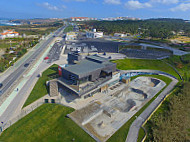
pixel 136 125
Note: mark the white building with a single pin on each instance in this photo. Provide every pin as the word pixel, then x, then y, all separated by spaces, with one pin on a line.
pixel 8 34
pixel 71 36
pixel 119 35
pixel 82 19
pixel 94 34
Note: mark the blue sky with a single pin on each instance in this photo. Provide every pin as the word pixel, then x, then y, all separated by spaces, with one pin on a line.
pixel 95 8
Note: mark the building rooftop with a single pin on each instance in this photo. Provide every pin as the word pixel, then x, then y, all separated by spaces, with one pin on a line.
pixel 91 63
pixel 84 67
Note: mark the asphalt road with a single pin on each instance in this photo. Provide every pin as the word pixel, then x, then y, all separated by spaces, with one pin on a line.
pixel 9 81
pixel 16 105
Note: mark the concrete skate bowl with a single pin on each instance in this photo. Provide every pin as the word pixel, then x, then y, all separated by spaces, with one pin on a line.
pixel 154 82
pixel 139 92
pixel 127 106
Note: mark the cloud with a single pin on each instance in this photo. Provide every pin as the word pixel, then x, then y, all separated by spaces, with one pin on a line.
pixel 181 7
pixel 115 2
pixel 49 6
pixel 63 6
pixel 135 4
pixel 165 1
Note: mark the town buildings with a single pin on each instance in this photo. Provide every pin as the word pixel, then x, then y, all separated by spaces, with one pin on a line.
pixel 8 34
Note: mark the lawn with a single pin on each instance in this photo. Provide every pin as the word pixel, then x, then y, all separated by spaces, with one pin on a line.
pixel 137 64
pixel 121 134
pixel 68 29
pixel 182 64
pixel 48 123
pixel 40 89
pixel 141 135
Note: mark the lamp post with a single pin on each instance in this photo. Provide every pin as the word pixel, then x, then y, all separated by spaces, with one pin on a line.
pixel 1 130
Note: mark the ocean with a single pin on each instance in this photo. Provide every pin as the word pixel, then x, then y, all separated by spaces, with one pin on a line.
pixel 5 22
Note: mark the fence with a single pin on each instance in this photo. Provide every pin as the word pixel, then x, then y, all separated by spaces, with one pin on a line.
pixel 23 113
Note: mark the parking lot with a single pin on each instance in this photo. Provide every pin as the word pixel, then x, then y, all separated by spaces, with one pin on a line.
pixel 94 45
pixel 54 53
pixel 145 54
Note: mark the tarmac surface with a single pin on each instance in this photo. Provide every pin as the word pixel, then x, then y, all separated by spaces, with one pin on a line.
pixel 102 45
pixel 54 53
pixel 145 54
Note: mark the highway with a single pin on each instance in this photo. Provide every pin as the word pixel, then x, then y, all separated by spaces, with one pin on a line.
pixel 16 105
pixel 9 81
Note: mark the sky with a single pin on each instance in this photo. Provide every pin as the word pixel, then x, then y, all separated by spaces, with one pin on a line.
pixel 22 9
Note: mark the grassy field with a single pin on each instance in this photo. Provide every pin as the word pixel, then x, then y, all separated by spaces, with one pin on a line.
pixel 40 89
pixel 183 39
pixel 182 64
pixel 48 123
pixel 121 134
pixel 68 29
pixel 136 64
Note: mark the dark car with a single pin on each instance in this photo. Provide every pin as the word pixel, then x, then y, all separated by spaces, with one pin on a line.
pixel 1 85
pixel 26 65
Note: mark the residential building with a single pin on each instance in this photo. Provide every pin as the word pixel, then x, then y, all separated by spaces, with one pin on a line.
pixel 8 34
pixel 94 34
pixel 71 36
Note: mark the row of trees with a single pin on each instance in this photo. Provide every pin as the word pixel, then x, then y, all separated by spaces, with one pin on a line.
pixel 156 28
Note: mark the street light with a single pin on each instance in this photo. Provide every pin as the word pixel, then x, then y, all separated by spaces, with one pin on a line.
pixel 1 127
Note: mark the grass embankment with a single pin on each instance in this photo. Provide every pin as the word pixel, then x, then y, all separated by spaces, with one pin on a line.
pixel 171 121
pixel 122 133
pixel 141 135
pixel 68 29
pixel 182 64
pixel 48 123
pixel 137 64
pixel 40 89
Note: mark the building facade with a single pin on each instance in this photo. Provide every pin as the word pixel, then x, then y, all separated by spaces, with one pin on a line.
pixel 87 75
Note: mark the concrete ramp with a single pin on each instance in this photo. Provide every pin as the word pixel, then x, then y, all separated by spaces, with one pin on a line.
pixel 53 88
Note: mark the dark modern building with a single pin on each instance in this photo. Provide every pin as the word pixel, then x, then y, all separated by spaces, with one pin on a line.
pixel 74 57
pixel 89 69
pixel 87 74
